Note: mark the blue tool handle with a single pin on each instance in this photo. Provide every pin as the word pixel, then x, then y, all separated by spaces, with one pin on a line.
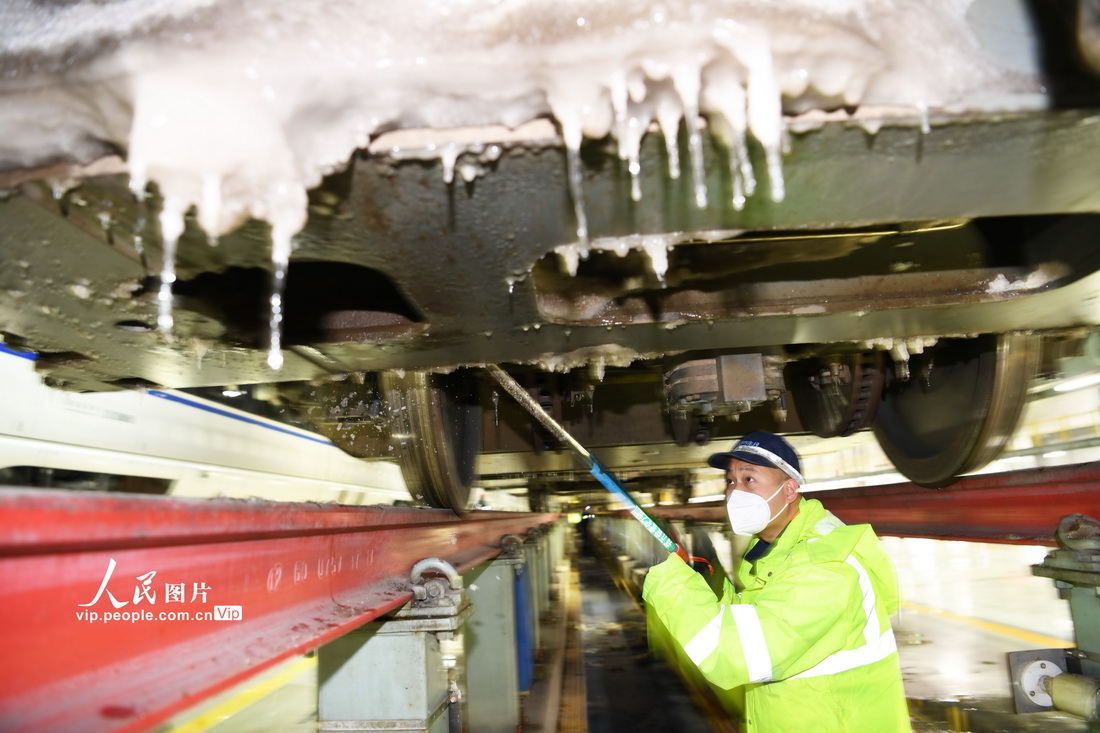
pixel 604 477
pixel 598 469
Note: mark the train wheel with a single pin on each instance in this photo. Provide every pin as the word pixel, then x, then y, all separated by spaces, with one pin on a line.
pixel 436 429
pixel 836 396
pixel 958 408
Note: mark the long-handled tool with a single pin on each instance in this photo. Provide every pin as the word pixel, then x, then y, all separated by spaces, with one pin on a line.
pixel 598 470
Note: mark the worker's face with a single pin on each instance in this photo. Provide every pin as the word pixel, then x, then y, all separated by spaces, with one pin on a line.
pixel 760 480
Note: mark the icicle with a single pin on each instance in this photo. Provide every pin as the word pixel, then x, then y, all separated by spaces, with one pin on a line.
pixel 736 149
pixel 139 177
pixel 619 97
pixel 200 348
pixel 775 173
pixel 747 176
pixel 60 187
pixel 636 86
pixel 139 227
pixel 211 209
pixel 468 171
pixel 171 228
pixel 280 259
pixel 597 368
pixel 627 131
pixel 634 165
pixel 636 129
pixel 669 113
pixel 138 182
pixel 925 124
pixel 448 157
pixel 725 96
pixel 657 250
pixel 570 257
pixel 766 120
pixel 571 133
pixel 871 126
pixel 764 106
pixel 686 80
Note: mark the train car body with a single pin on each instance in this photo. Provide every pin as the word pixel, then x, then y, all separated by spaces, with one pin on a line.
pixel 173 443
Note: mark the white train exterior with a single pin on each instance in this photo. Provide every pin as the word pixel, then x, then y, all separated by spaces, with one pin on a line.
pixel 189 445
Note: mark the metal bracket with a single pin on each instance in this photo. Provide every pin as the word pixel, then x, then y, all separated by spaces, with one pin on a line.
pixel 510 545
pixel 434 591
pixel 1077 559
pixel 1029 672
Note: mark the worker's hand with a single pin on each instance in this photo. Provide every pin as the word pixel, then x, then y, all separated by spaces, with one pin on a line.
pixel 692 559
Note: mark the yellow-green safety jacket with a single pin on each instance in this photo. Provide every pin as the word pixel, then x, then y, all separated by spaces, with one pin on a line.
pixel 809 637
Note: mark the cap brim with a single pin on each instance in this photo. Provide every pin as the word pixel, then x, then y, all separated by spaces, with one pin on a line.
pixel 721 461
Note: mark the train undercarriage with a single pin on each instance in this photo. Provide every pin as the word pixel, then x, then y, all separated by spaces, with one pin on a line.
pixel 672 223
pixel 914 269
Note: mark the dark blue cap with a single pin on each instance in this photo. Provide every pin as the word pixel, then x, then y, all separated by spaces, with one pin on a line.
pixel 762 449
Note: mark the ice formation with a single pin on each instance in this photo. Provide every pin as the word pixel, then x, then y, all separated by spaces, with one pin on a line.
pixel 655 246
pixel 237 107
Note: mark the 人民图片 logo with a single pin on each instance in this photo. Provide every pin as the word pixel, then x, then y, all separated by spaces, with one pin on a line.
pixel 142 604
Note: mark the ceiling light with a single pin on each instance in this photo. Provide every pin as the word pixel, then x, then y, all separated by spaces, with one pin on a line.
pixel 1085 380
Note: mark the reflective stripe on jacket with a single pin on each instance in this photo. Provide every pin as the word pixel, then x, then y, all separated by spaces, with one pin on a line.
pixel 809 637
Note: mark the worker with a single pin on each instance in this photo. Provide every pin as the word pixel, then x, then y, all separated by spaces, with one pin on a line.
pixel 809 636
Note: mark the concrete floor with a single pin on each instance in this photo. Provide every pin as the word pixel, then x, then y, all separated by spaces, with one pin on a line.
pixel 965 606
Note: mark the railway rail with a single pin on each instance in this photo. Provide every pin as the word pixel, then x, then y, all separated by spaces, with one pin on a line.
pixel 1017 506
pixel 122 610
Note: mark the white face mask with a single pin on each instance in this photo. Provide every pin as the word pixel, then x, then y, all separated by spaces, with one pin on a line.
pixel 749 513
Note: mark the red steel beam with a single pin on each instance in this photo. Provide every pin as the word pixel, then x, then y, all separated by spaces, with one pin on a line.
pixel 118 611
pixel 1022 507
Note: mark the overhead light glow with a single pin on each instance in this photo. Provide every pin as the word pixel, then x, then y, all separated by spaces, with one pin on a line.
pixel 1085 380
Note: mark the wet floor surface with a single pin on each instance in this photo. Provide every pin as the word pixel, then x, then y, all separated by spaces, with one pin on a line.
pixel 628 690
pixel 965 606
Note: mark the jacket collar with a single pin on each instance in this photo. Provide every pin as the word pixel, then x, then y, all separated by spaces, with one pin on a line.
pixel 810 511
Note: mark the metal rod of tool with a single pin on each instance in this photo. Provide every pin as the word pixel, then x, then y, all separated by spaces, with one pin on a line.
pixel 597 469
